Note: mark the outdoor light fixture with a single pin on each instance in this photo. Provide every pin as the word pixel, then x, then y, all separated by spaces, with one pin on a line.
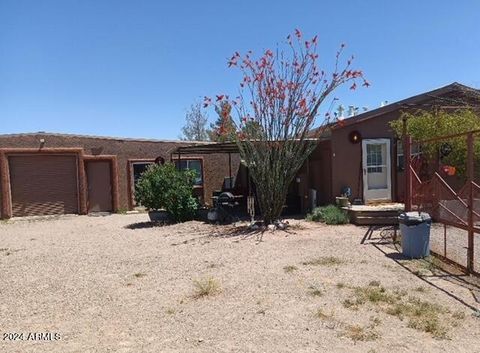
pixel 445 149
pixel 354 137
pixel 42 142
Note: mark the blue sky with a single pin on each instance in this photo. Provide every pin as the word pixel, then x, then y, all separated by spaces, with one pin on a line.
pixel 132 68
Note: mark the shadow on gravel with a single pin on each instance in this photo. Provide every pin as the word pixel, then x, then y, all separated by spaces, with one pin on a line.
pixel 447 273
pixel 143 225
pixel 396 256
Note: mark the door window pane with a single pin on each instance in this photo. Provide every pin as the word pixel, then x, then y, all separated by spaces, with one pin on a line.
pixel 374 158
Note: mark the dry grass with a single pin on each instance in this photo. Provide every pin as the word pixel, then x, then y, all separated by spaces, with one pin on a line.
pixel 206 287
pixel 139 275
pixel 421 289
pixel 458 315
pixel 375 321
pixel 314 291
pixel 324 261
pixel 360 333
pixel 421 315
pixel 428 265
pixel 213 265
pixel 290 268
pixel 373 293
pixel 322 315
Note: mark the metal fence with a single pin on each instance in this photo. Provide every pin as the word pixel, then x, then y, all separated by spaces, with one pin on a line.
pixel 444 180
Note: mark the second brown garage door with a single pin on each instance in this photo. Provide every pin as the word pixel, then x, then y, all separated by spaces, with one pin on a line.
pixel 43 185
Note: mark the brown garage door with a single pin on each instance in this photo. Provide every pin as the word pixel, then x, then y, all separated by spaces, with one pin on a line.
pixel 43 185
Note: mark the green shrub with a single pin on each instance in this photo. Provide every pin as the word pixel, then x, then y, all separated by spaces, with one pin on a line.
pixel 330 214
pixel 166 187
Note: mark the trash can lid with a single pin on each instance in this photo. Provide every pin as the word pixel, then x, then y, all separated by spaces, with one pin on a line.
pixel 413 218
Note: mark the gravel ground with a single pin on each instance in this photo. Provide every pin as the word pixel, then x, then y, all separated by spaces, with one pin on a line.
pixel 114 284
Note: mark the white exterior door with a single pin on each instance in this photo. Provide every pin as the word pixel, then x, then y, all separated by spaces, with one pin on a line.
pixel 377 183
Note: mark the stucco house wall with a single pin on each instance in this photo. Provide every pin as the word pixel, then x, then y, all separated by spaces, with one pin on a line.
pixel 215 166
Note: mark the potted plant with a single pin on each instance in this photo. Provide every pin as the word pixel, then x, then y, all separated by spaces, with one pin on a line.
pixel 167 193
pixel 343 199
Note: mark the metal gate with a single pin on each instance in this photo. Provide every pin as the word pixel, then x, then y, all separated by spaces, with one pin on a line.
pixel 443 179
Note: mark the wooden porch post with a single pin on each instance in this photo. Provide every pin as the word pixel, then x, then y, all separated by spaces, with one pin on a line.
pixel 407 148
pixel 407 161
pixel 230 169
pixel 307 184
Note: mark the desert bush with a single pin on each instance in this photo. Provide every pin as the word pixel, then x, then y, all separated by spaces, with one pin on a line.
pixel 330 214
pixel 206 287
pixel 166 187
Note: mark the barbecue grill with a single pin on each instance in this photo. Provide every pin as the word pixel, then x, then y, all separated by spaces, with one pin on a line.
pixel 224 210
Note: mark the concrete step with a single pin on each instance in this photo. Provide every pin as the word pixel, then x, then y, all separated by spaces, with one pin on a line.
pixel 362 220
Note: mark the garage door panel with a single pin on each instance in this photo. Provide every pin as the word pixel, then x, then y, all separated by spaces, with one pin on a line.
pixel 43 185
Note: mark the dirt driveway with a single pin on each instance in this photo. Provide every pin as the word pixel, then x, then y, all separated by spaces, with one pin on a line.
pixel 114 284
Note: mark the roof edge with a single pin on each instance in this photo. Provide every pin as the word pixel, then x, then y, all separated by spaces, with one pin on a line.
pixel 110 138
pixel 452 87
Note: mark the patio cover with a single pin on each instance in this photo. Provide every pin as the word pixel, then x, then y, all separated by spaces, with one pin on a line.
pixel 208 148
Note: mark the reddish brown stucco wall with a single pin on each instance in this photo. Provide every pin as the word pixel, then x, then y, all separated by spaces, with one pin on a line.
pixel 347 157
pixel 215 166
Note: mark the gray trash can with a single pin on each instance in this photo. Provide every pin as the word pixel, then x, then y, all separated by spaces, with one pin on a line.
pixel 415 230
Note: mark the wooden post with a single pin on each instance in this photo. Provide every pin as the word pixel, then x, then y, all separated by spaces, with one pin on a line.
pixel 307 184
pixel 406 166
pixel 470 173
pixel 444 240
pixel 407 147
pixel 230 169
